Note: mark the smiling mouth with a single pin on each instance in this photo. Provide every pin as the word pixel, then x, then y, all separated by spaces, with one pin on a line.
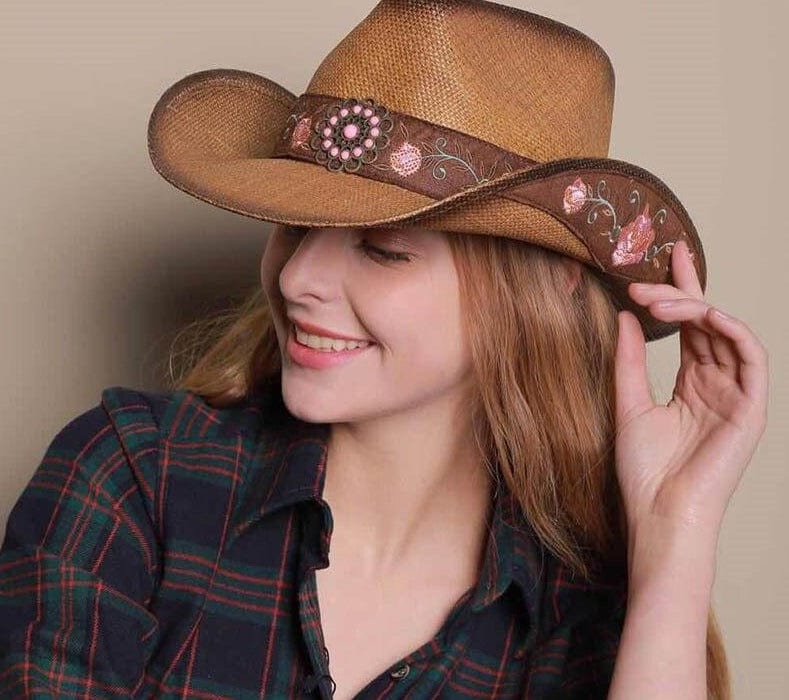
pixel 325 344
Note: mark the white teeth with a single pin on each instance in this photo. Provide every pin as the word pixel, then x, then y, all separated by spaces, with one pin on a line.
pixel 328 344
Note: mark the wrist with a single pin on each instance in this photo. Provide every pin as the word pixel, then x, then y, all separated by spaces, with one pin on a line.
pixel 673 555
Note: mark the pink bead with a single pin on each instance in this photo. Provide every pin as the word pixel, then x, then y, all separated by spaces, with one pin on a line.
pixel 326 144
pixel 345 155
pixel 375 131
pixel 350 131
pixel 343 112
pixel 333 120
pixel 369 143
pixel 368 112
pixel 327 131
pixel 374 120
pixel 334 151
pixel 357 109
pixel 357 151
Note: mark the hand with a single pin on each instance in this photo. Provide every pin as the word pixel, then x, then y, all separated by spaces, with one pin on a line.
pixel 679 464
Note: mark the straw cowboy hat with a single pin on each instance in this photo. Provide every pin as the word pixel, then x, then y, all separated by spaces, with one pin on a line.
pixel 456 115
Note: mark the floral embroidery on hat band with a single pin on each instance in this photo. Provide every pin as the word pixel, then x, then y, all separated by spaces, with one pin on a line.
pixel 301 132
pixel 363 137
pixel 409 157
pixel 638 250
pixel 633 241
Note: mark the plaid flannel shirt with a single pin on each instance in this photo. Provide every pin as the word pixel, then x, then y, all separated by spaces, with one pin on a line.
pixel 164 548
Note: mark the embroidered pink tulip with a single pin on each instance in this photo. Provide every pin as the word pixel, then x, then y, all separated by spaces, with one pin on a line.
pixel 406 160
pixel 634 240
pixel 575 196
pixel 301 132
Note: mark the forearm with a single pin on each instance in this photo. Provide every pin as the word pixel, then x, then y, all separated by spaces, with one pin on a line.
pixel 662 652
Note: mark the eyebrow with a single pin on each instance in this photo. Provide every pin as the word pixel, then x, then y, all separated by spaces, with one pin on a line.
pixel 395 230
pixel 395 237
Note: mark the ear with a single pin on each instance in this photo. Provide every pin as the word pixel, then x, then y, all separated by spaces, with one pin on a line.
pixel 572 272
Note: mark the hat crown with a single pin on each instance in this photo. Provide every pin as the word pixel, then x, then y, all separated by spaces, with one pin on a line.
pixel 524 82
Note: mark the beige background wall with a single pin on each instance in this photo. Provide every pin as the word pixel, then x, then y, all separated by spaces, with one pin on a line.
pixel 101 260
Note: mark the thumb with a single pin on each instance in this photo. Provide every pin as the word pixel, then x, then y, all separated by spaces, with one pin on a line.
pixel 632 392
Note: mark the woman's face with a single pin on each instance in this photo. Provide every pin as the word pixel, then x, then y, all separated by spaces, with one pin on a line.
pixel 394 289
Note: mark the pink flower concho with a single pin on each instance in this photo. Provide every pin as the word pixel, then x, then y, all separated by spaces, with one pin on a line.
pixel 351 134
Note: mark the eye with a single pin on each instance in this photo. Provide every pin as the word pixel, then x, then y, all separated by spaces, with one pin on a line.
pixel 294 231
pixel 379 253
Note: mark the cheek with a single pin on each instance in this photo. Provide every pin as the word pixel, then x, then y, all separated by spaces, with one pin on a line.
pixel 423 327
pixel 444 342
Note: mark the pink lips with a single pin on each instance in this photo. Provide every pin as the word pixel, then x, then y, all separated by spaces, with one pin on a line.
pixel 316 359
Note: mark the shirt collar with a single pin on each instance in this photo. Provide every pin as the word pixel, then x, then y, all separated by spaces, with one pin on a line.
pixel 286 465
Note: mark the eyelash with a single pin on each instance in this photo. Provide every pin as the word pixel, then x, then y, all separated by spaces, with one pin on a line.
pixel 392 256
pixel 369 250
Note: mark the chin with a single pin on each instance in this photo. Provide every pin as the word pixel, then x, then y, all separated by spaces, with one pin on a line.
pixel 304 403
pixel 313 403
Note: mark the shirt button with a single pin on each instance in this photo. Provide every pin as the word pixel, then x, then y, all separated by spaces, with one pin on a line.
pixel 400 673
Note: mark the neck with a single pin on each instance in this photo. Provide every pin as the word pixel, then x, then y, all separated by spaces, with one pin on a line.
pixel 401 484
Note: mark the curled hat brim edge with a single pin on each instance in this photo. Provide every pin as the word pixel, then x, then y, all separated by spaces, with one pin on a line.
pixel 211 134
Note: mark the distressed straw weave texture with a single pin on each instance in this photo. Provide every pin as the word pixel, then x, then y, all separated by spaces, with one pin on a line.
pixel 455 115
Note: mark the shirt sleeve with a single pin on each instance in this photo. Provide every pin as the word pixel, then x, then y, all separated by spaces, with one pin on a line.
pixel 80 559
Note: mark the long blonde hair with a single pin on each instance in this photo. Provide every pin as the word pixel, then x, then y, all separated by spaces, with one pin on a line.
pixel 544 362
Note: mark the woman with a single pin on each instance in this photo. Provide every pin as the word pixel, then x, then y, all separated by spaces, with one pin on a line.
pixel 424 460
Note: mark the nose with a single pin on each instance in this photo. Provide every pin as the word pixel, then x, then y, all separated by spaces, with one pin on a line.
pixel 316 267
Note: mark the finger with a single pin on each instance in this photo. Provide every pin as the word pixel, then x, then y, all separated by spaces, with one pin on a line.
pixel 749 362
pixel 646 292
pixel 693 343
pixel 724 350
pixel 632 390
pixel 683 271
pixel 695 330
pixel 751 354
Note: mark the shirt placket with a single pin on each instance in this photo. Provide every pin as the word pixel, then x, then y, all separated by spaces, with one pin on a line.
pixel 313 554
pixel 317 652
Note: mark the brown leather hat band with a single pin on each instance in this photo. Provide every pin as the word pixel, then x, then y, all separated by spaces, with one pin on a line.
pixel 362 137
pixel 622 219
pixel 628 225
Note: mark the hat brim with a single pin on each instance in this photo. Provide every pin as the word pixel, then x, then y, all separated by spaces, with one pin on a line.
pixel 212 133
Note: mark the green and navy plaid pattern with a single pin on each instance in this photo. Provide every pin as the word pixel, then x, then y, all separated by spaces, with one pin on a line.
pixel 164 548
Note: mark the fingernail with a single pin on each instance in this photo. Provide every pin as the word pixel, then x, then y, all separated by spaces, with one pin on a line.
pixel 722 315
